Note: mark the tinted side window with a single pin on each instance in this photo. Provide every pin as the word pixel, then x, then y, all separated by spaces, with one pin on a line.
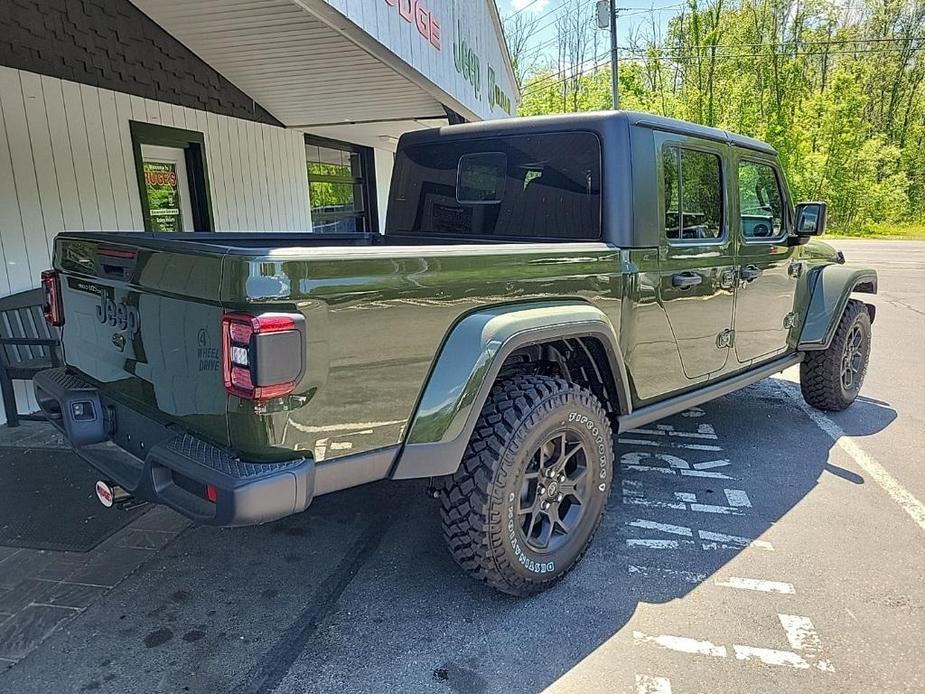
pixel 519 187
pixel 761 207
pixel 693 194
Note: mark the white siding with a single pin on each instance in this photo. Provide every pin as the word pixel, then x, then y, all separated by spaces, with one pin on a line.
pixel 475 22
pixel 66 163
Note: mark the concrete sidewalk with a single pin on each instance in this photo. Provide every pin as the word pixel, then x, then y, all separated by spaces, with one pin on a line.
pixel 42 589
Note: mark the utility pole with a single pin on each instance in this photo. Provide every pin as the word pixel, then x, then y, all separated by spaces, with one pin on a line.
pixel 614 57
pixel 607 19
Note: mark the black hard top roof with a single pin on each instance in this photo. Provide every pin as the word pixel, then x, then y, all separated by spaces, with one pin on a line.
pixel 595 120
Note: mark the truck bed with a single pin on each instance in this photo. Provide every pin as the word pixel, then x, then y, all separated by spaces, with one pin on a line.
pixel 376 310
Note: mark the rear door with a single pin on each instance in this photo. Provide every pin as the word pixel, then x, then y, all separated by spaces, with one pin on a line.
pixel 767 282
pixel 144 324
pixel 696 257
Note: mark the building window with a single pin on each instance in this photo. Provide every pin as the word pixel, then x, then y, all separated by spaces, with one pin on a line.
pixel 341 186
pixel 171 167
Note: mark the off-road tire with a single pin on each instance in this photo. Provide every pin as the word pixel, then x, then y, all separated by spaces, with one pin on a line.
pixel 821 371
pixel 478 501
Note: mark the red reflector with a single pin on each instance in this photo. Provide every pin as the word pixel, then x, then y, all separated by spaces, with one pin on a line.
pixel 51 308
pixel 212 492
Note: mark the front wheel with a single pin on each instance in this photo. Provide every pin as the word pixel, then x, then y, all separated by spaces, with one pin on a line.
pixel 831 379
pixel 532 487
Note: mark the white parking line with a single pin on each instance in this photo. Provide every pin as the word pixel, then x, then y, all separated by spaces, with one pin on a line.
pixel 676 471
pixel 902 496
pixel 771 656
pixel 652 544
pixel 648 684
pixel 669 444
pixel 686 501
pixel 801 633
pixel 675 465
pixel 682 644
pixel 757 584
pixel 704 431
pixel 713 540
pixel 710 464
pixel 653 503
pixel 738 498
pixel 661 527
pixel 713 508
pixel 733 541
pixel 649 571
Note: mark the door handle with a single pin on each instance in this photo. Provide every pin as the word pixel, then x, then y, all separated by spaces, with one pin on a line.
pixel 686 280
pixel 749 273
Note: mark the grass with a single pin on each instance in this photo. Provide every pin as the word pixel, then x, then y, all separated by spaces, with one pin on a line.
pixel 897 232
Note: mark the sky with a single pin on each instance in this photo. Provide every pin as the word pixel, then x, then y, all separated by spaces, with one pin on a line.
pixel 632 13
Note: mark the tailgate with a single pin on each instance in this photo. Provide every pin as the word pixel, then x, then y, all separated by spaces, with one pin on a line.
pixel 144 323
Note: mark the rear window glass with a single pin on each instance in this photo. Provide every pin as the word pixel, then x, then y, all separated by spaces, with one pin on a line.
pixel 545 186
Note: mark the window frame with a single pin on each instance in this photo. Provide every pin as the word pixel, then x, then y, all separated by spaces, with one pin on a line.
pixel 784 198
pixel 723 238
pixel 367 181
pixel 194 145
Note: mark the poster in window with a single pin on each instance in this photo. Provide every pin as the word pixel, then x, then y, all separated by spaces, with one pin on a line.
pixel 162 189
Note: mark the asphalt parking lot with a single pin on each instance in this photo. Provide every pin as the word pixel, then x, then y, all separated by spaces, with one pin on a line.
pixel 754 545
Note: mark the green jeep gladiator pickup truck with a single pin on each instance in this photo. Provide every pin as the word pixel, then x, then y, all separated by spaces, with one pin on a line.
pixel 541 284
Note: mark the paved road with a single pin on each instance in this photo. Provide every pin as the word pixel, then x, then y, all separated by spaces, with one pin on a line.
pixel 745 551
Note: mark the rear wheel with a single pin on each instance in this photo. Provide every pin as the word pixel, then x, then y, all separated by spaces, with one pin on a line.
pixel 532 487
pixel 832 378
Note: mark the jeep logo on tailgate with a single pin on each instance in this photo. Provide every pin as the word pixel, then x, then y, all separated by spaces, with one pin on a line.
pixel 118 315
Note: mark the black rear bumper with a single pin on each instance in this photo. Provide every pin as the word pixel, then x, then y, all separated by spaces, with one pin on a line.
pixel 160 464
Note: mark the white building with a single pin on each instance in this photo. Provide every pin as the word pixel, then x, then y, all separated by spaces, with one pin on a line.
pixel 224 115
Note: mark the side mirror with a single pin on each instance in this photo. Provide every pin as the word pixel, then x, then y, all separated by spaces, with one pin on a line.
pixel 810 219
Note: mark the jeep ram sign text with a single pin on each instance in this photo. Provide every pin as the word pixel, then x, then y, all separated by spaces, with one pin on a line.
pixel 416 12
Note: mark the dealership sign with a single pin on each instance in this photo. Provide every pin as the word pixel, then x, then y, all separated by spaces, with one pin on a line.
pixel 469 65
pixel 416 12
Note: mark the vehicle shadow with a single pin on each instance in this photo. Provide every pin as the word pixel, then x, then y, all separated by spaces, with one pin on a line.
pixel 360 594
pixel 670 526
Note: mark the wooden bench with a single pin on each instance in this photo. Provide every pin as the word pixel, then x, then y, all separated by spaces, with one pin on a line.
pixel 28 344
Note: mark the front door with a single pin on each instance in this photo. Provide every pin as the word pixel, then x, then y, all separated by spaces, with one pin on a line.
pixel 696 261
pixel 167 188
pixel 767 283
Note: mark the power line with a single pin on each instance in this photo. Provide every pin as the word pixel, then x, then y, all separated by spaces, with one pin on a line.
pixel 537 85
pixel 798 54
pixel 525 7
pixel 547 79
pixel 806 41
pixel 539 48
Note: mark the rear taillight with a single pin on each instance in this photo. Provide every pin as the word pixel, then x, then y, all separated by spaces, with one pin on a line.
pixel 262 355
pixel 52 308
